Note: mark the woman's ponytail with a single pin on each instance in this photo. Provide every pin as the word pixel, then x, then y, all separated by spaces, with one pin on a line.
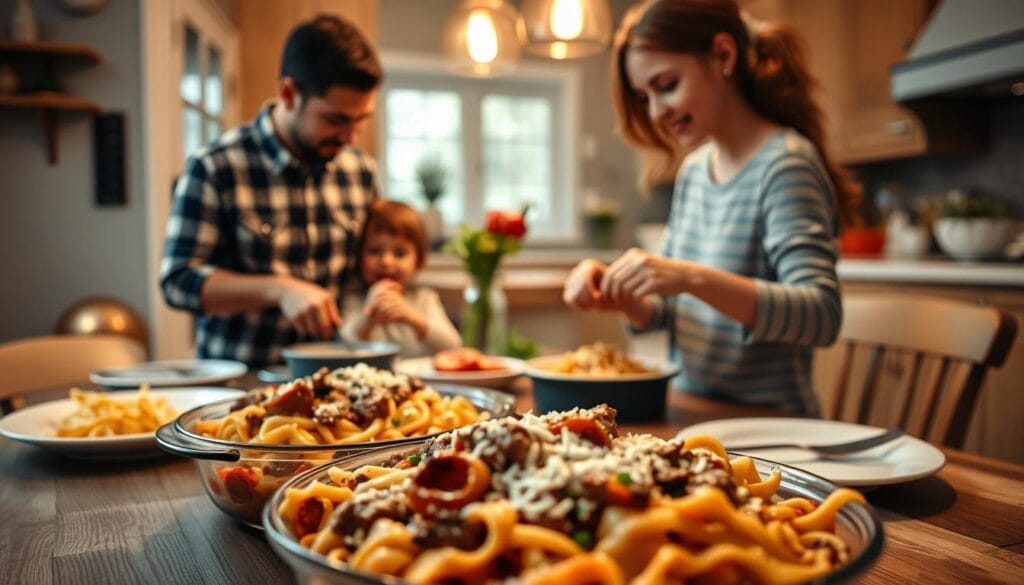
pixel 777 83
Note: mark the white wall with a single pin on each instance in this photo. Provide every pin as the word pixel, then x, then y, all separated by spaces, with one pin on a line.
pixel 56 245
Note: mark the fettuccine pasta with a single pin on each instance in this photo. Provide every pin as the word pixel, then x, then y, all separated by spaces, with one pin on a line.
pixel 357 404
pixel 101 414
pixel 598 359
pixel 561 499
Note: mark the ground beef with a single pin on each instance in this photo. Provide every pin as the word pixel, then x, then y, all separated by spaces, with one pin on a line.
pixel 462 535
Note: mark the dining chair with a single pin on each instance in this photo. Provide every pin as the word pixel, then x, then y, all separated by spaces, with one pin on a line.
pixel 37 363
pixel 917 362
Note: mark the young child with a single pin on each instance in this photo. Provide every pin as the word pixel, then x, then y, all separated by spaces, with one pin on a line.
pixel 394 248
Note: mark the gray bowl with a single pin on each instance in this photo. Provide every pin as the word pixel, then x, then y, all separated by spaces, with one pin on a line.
pixel 635 397
pixel 305 358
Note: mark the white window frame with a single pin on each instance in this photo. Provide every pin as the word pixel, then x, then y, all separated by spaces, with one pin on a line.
pixel 425 72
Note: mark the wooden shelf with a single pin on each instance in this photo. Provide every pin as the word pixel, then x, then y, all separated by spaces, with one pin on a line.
pixel 50 49
pixel 49 53
pixel 54 101
pixel 50 104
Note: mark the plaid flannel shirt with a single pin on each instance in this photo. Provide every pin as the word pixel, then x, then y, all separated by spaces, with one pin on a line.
pixel 245 204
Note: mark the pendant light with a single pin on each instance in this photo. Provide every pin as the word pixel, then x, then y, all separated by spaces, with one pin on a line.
pixel 480 38
pixel 566 29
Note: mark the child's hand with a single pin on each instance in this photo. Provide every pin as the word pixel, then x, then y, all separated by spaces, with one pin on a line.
pixel 381 287
pixel 388 305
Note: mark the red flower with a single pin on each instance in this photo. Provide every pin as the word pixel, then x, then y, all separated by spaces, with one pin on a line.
pixel 506 223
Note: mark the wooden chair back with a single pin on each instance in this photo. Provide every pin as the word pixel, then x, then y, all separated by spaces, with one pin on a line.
pixel 917 362
pixel 38 363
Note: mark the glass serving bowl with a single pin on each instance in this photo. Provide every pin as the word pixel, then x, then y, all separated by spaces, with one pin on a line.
pixel 857 524
pixel 240 477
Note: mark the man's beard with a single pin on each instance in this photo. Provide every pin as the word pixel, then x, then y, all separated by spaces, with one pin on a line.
pixel 311 153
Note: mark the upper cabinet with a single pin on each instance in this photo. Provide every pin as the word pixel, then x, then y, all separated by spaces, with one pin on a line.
pixel 878 34
pixel 850 46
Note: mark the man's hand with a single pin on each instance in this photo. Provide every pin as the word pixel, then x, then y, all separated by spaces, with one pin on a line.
pixel 312 309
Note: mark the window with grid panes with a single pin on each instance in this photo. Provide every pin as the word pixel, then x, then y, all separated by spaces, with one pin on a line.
pixel 504 143
pixel 202 93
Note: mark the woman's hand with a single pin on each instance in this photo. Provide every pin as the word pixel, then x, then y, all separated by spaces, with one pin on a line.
pixel 311 308
pixel 638 273
pixel 583 287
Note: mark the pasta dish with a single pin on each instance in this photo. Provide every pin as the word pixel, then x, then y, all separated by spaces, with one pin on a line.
pixel 598 359
pixel 98 414
pixel 562 498
pixel 348 405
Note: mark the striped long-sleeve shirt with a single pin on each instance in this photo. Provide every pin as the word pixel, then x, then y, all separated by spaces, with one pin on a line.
pixel 774 222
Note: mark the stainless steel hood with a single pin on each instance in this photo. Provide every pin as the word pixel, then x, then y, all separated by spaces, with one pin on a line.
pixel 968 49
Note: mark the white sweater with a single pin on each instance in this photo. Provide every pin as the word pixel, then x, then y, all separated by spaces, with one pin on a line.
pixel 441 334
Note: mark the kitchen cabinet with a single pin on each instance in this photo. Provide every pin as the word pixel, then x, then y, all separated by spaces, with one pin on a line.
pixel 850 45
pixel 995 428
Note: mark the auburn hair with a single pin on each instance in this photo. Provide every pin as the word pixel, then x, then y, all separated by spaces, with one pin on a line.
pixel 773 79
pixel 401 221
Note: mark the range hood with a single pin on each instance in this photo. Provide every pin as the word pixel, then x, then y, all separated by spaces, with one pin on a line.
pixel 967 49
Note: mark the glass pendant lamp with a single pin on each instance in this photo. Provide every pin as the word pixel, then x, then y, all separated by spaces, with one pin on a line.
pixel 566 29
pixel 480 38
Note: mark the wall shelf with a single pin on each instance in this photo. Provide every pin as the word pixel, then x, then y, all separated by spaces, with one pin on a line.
pixel 50 103
pixel 69 51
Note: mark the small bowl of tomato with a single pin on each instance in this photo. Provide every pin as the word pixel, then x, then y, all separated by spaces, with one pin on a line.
pixel 464 366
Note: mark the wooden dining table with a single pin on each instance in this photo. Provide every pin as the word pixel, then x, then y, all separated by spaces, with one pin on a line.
pixel 75 521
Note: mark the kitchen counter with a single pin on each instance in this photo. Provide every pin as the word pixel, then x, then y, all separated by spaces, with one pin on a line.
pixel 938 270
pixel 546 270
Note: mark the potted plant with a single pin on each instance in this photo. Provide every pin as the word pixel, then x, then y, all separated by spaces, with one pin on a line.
pixel 433 178
pixel 973 227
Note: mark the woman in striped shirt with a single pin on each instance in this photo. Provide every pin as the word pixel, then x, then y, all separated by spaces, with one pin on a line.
pixel 746 280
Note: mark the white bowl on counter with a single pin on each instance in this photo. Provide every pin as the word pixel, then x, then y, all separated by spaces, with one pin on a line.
pixel 975 238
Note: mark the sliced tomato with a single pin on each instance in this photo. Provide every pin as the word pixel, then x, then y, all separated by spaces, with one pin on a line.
pixel 587 428
pixel 239 482
pixel 460 359
pixel 308 516
pixel 489 363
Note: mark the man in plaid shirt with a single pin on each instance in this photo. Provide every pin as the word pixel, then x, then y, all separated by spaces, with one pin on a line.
pixel 265 224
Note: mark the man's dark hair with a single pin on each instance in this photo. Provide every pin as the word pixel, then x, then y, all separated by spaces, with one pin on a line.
pixel 326 51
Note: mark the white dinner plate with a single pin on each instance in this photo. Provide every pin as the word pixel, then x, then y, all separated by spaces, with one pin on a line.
pixel 169 373
pixel 423 368
pixel 904 459
pixel 37 424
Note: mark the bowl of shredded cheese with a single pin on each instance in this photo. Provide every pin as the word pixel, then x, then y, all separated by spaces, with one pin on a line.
pixel 600 374
pixel 244 449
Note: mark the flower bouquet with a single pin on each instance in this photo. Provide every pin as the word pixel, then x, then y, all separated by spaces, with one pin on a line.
pixel 485 317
